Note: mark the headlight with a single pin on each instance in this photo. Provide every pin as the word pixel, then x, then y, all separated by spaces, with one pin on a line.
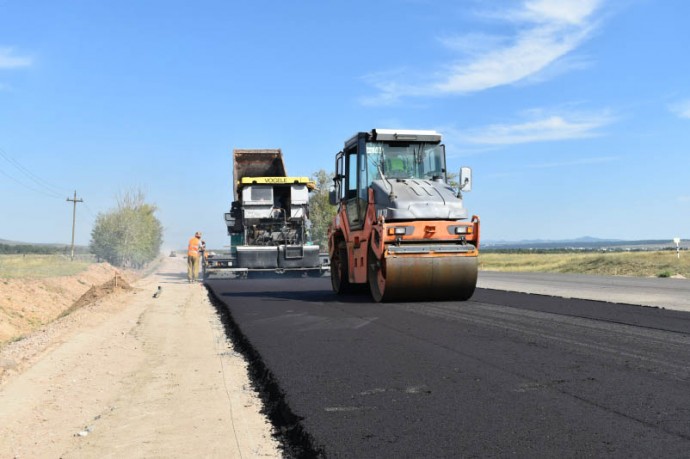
pixel 463 230
pixel 397 231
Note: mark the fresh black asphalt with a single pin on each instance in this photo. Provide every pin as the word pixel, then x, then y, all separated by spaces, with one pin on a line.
pixel 504 374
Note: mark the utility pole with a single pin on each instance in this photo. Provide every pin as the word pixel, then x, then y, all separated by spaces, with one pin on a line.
pixel 74 219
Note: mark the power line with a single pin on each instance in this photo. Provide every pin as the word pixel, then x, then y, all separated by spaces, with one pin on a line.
pixel 93 214
pixel 33 177
pixel 46 187
pixel 51 194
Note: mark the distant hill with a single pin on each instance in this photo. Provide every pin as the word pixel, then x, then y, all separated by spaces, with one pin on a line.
pixel 583 243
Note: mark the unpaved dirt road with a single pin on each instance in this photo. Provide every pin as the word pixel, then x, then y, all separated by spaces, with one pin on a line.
pixel 137 376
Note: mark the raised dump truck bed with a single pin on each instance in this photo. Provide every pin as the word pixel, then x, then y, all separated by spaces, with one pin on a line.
pixel 256 163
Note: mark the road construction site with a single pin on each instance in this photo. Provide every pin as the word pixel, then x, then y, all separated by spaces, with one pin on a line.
pixel 285 368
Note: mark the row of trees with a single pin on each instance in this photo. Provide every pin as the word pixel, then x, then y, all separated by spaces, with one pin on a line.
pixel 36 249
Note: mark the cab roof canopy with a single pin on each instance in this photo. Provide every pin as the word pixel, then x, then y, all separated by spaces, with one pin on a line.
pixel 399 135
pixel 406 134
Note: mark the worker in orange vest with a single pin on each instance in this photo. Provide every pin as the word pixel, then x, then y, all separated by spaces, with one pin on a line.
pixel 193 257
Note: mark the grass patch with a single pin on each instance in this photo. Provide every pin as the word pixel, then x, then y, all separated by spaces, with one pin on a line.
pixel 31 266
pixel 641 264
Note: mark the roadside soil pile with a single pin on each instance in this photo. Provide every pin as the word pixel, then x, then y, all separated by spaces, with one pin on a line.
pixel 28 304
pixel 114 285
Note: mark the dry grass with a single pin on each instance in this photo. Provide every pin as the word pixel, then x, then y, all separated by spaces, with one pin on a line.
pixel 642 264
pixel 39 266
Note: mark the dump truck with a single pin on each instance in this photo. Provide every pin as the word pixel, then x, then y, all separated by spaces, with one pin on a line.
pixel 400 227
pixel 268 221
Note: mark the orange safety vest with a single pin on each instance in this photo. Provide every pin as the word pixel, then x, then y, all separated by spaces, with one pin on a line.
pixel 193 248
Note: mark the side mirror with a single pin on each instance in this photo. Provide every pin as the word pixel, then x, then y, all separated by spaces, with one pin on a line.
pixel 332 197
pixel 465 179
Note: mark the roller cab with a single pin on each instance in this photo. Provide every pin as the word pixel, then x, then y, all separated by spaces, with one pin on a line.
pixel 401 230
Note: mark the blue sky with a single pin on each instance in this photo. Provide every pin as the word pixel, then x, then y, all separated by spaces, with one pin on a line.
pixel 573 114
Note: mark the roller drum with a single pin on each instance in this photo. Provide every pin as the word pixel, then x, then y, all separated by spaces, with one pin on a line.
pixel 410 278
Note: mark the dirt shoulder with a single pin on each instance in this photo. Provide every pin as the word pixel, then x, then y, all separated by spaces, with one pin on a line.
pixel 133 375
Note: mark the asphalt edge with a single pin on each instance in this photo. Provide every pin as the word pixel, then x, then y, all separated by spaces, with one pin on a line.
pixel 294 440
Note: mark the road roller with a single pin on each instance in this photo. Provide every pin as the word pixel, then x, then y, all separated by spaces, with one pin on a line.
pixel 401 230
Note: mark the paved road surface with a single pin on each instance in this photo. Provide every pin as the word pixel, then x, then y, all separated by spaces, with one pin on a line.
pixel 666 293
pixel 505 374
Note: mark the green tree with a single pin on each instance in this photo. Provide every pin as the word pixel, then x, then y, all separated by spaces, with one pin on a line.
pixel 453 180
pixel 321 212
pixel 130 235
